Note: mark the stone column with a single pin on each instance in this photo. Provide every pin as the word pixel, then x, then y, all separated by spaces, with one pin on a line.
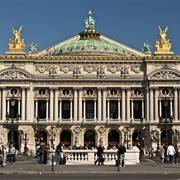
pixel 19 107
pixel 175 105
pixel 147 105
pixel 171 109
pixel 71 109
pixel 80 104
pixel 160 107
pixel 28 104
pixel 51 105
pixel 84 109
pixel 108 109
pixel 31 105
pixel 3 103
pixel 36 108
pixel 75 104
pixel 128 105
pixel 104 104
pixel 151 105
pixel 99 105
pixel 94 109
pixel 156 104
pixel 119 107
pixel 123 107
pixel 132 109
pixel 56 105
pixel 60 109
pixel 23 104
pixel 47 109
pixel 143 108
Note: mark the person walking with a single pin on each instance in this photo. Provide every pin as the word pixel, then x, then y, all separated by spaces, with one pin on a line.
pixel 177 155
pixel 59 151
pixel 121 155
pixel 162 153
pixel 12 153
pixel 100 158
pixel 171 152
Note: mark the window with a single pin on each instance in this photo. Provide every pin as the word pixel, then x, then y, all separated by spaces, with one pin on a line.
pixel 137 109
pixel 65 109
pixel 89 109
pixel 42 109
pixel 113 109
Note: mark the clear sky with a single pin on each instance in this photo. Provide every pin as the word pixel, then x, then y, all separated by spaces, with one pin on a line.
pixel 131 22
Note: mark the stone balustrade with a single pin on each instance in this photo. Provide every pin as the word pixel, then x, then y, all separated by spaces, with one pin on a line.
pixel 88 156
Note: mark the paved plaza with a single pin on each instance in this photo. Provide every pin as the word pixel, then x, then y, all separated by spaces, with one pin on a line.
pixel 29 165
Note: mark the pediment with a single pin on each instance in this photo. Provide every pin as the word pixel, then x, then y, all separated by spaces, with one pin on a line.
pixel 164 74
pixel 130 51
pixel 15 73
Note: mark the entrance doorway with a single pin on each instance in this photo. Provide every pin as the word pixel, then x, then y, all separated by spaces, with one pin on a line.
pixel 89 139
pixel 65 138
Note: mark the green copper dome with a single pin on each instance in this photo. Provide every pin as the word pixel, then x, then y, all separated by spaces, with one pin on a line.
pixel 89 43
pixel 89 46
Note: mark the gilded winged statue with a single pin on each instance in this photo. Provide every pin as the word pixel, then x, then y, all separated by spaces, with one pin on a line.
pixel 16 44
pixel 163 45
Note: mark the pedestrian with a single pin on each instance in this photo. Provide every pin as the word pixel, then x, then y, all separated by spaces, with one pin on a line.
pixel 59 151
pixel 12 153
pixel 162 153
pixel 47 147
pixel 171 152
pixel 177 155
pixel 152 153
pixel 40 152
pixel 3 155
pixel 121 155
pixel 100 158
pixel 140 151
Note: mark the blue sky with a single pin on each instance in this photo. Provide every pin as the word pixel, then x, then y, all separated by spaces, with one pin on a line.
pixel 131 22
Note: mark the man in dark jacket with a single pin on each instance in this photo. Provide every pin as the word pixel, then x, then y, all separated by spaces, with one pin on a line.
pixel 100 158
pixel 121 155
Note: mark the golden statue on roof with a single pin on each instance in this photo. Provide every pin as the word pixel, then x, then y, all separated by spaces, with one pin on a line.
pixel 163 45
pixel 16 44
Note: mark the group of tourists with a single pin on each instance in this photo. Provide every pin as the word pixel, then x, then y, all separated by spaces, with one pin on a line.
pixel 41 152
pixel 7 153
pixel 120 153
pixel 171 152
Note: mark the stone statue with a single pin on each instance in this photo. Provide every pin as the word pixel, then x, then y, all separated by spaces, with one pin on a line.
pixel 78 70
pixel 146 48
pixel 32 48
pixel 16 44
pixel 89 22
pixel 163 45
pixel 101 71
pixel 125 71
pixel 53 70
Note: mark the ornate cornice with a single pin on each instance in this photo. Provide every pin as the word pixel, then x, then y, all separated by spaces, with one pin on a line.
pixel 93 58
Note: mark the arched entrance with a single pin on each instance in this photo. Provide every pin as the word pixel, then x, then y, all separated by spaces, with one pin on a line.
pixel 89 139
pixel 169 137
pixel 65 138
pixel 113 138
pixel 137 137
pixel 16 139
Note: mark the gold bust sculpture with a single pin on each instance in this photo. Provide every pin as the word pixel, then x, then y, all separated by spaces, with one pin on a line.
pixel 163 45
pixel 16 44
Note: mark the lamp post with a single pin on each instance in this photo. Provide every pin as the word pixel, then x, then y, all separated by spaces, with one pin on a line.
pixel 141 134
pixel 12 126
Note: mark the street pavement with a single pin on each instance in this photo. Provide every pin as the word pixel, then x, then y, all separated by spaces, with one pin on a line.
pixel 29 165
